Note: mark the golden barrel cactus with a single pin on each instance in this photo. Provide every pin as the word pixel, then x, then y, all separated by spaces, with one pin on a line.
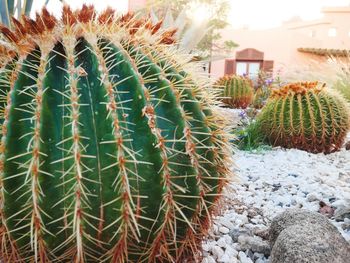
pixel 110 149
pixel 305 115
pixel 237 91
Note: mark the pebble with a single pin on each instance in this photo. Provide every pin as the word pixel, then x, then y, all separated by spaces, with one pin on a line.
pixel 224 230
pixel 243 258
pixel 231 252
pixel 255 244
pixel 208 259
pixel 218 251
pixel 225 222
pixel 221 242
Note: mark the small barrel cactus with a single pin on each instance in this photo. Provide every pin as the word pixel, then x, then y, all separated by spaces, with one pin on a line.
pixel 110 148
pixel 305 116
pixel 237 91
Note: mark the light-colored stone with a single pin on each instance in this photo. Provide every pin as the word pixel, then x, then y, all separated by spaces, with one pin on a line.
pixel 208 259
pixel 206 247
pixel 221 242
pixel 226 223
pixel 224 259
pixel 236 232
pixel 230 251
pixel 228 239
pixel 217 252
pixel 312 197
pixel 255 244
pixel 243 258
pixel 224 230
pixel 341 213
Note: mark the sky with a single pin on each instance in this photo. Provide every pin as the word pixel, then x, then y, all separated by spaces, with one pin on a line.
pixel 257 14
pixel 269 13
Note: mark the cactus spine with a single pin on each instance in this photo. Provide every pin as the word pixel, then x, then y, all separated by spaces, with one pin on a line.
pixel 305 116
pixel 237 91
pixel 110 149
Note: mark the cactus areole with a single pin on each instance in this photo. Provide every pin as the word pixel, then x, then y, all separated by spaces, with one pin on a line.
pixel 306 116
pixel 110 148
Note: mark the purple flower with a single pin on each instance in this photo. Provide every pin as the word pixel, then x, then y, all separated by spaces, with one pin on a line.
pixel 268 82
pixel 243 114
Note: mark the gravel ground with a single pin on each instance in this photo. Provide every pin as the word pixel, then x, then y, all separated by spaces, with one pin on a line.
pixel 266 184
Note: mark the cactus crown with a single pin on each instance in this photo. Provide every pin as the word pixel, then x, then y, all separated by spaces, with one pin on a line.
pixel 110 148
pixel 297 88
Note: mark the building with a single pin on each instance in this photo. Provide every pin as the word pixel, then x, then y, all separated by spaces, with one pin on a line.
pixel 293 43
pixel 136 4
pixel 272 50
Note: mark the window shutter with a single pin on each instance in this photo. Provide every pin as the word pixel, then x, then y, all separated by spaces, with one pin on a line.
pixel 268 66
pixel 230 66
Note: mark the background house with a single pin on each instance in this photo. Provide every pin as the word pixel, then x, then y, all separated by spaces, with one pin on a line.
pixel 295 42
pixel 136 4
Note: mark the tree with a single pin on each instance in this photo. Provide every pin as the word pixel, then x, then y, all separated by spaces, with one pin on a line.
pixel 217 20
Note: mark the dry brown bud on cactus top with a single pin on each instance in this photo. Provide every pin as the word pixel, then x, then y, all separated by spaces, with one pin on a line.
pixel 111 150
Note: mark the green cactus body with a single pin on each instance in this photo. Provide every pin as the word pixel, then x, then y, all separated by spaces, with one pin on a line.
pixel 110 152
pixel 305 116
pixel 237 91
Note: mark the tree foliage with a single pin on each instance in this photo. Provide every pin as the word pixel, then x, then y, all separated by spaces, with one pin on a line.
pixel 217 21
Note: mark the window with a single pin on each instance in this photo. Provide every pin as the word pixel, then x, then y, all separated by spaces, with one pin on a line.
pixel 332 32
pixel 312 33
pixel 250 69
pixel 241 68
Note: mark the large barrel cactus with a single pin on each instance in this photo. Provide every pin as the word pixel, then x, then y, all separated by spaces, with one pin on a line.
pixel 306 116
pixel 110 150
pixel 237 91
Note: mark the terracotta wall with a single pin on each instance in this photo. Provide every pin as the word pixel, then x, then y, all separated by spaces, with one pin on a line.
pixel 136 4
pixel 280 44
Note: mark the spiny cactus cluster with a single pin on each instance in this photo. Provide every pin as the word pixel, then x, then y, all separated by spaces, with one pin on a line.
pixel 237 91
pixel 306 116
pixel 110 147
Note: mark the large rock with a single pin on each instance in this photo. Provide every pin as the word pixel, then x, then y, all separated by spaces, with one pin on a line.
pixel 300 236
pixel 293 217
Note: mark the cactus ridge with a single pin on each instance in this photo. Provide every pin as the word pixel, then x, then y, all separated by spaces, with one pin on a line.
pixel 307 116
pixel 237 91
pixel 111 150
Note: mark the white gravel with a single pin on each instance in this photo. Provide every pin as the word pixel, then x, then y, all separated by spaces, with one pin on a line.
pixel 266 184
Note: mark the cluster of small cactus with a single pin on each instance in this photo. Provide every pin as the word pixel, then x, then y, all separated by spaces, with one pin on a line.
pixel 237 92
pixel 110 148
pixel 306 116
